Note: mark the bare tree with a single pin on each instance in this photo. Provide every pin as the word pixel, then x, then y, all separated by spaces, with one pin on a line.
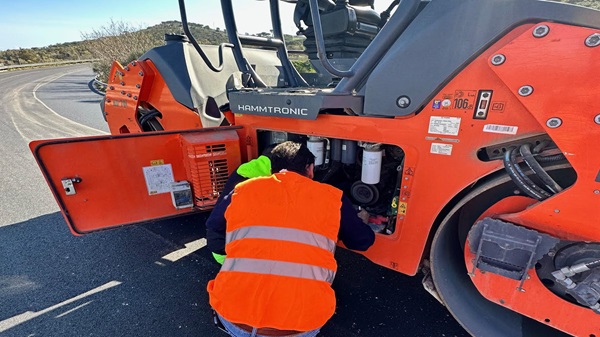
pixel 117 41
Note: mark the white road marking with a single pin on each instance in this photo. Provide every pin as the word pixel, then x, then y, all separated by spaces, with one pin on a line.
pixel 189 249
pixel 28 315
pixel 54 112
pixel 38 125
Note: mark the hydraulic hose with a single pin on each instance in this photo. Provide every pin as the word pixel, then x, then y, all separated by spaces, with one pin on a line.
pixel 147 116
pixel 525 151
pixel 546 159
pixel 541 146
pixel 593 264
pixel 526 179
pixel 517 179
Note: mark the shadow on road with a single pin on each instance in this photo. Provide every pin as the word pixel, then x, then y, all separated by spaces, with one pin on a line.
pixel 117 283
pixel 113 283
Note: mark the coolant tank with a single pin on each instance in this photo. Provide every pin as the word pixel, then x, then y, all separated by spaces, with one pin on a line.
pixel 349 152
pixel 316 145
pixel 371 166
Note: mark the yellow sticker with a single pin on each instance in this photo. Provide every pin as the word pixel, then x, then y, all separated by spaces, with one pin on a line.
pixel 157 162
pixel 402 208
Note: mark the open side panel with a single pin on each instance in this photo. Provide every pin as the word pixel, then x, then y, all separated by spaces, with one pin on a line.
pixel 108 181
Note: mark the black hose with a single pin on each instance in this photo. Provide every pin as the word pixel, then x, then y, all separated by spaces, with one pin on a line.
pixel 593 264
pixel 541 146
pixel 525 151
pixel 147 116
pixel 547 159
pixel 526 179
pixel 516 178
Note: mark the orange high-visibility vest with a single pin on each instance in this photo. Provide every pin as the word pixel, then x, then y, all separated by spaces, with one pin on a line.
pixel 281 237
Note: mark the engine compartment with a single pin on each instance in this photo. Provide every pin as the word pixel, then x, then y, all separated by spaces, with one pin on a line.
pixel 368 173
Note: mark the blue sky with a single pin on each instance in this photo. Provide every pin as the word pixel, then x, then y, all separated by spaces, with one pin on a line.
pixel 39 23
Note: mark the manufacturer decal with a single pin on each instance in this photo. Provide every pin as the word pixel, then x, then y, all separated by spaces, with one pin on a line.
pixel 273 110
pixel 287 105
pixel 440 148
pixel 444 125
pixel 504 129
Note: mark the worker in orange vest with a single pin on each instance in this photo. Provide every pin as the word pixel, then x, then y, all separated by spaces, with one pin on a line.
pixel 281 234
pixel 258 167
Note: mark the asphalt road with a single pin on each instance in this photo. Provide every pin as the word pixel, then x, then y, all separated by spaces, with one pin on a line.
pixel 144 280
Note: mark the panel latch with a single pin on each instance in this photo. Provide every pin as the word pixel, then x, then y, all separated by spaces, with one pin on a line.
pixel 68 185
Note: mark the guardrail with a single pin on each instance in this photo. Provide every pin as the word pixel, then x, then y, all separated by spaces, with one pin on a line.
pixel 31 65
pixel 101 86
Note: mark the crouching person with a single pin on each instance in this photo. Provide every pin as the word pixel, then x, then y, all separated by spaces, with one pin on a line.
pixel 281 234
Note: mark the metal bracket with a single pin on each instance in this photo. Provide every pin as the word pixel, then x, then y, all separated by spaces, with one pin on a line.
pixel 508 250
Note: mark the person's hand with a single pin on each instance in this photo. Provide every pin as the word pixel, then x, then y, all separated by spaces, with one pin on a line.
pixel 364 216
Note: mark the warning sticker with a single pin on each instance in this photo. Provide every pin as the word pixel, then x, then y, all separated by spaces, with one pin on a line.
pixel 158 178
pixel 402 208
pixel 440 148
pixel 444 125
pixel 505 129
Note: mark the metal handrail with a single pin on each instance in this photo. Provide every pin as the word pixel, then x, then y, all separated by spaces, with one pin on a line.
pixel 318 29
pixel 188 33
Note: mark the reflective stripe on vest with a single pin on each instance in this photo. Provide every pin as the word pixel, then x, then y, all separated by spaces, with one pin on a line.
pixel 283 234
pixel 279 268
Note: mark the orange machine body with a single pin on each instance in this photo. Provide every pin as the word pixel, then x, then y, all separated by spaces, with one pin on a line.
pixel 140 84
pixel 442 144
